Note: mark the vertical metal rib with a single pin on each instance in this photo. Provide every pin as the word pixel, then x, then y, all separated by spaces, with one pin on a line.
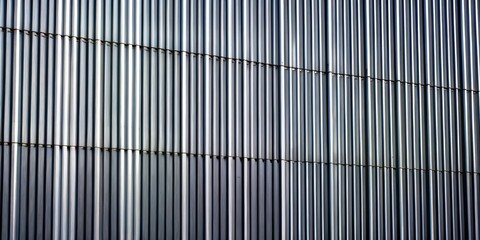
pixel 239 119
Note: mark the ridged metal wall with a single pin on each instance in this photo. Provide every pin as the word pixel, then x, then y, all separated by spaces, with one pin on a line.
pixel 252 119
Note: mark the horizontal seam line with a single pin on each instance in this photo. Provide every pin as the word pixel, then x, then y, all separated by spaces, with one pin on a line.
pixel 228 156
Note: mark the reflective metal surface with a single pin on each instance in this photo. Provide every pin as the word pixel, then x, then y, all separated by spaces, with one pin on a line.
pixel 248 119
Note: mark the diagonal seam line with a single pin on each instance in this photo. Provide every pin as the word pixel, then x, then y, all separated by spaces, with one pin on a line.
pixel 253 62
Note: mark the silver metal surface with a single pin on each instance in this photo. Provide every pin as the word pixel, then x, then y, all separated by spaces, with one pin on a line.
pixel 249 119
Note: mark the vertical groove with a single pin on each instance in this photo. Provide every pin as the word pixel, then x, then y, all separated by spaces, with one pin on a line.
pixel 251 119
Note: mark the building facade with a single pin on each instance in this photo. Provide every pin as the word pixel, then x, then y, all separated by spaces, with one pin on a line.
pixel 249 119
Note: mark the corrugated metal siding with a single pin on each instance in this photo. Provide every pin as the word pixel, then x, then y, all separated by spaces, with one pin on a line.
pixel 239 119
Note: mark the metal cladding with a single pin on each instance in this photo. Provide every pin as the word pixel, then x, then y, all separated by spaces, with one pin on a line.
pixel 248 119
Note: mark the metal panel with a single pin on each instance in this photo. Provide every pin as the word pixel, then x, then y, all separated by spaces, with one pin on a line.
pixel 239 119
